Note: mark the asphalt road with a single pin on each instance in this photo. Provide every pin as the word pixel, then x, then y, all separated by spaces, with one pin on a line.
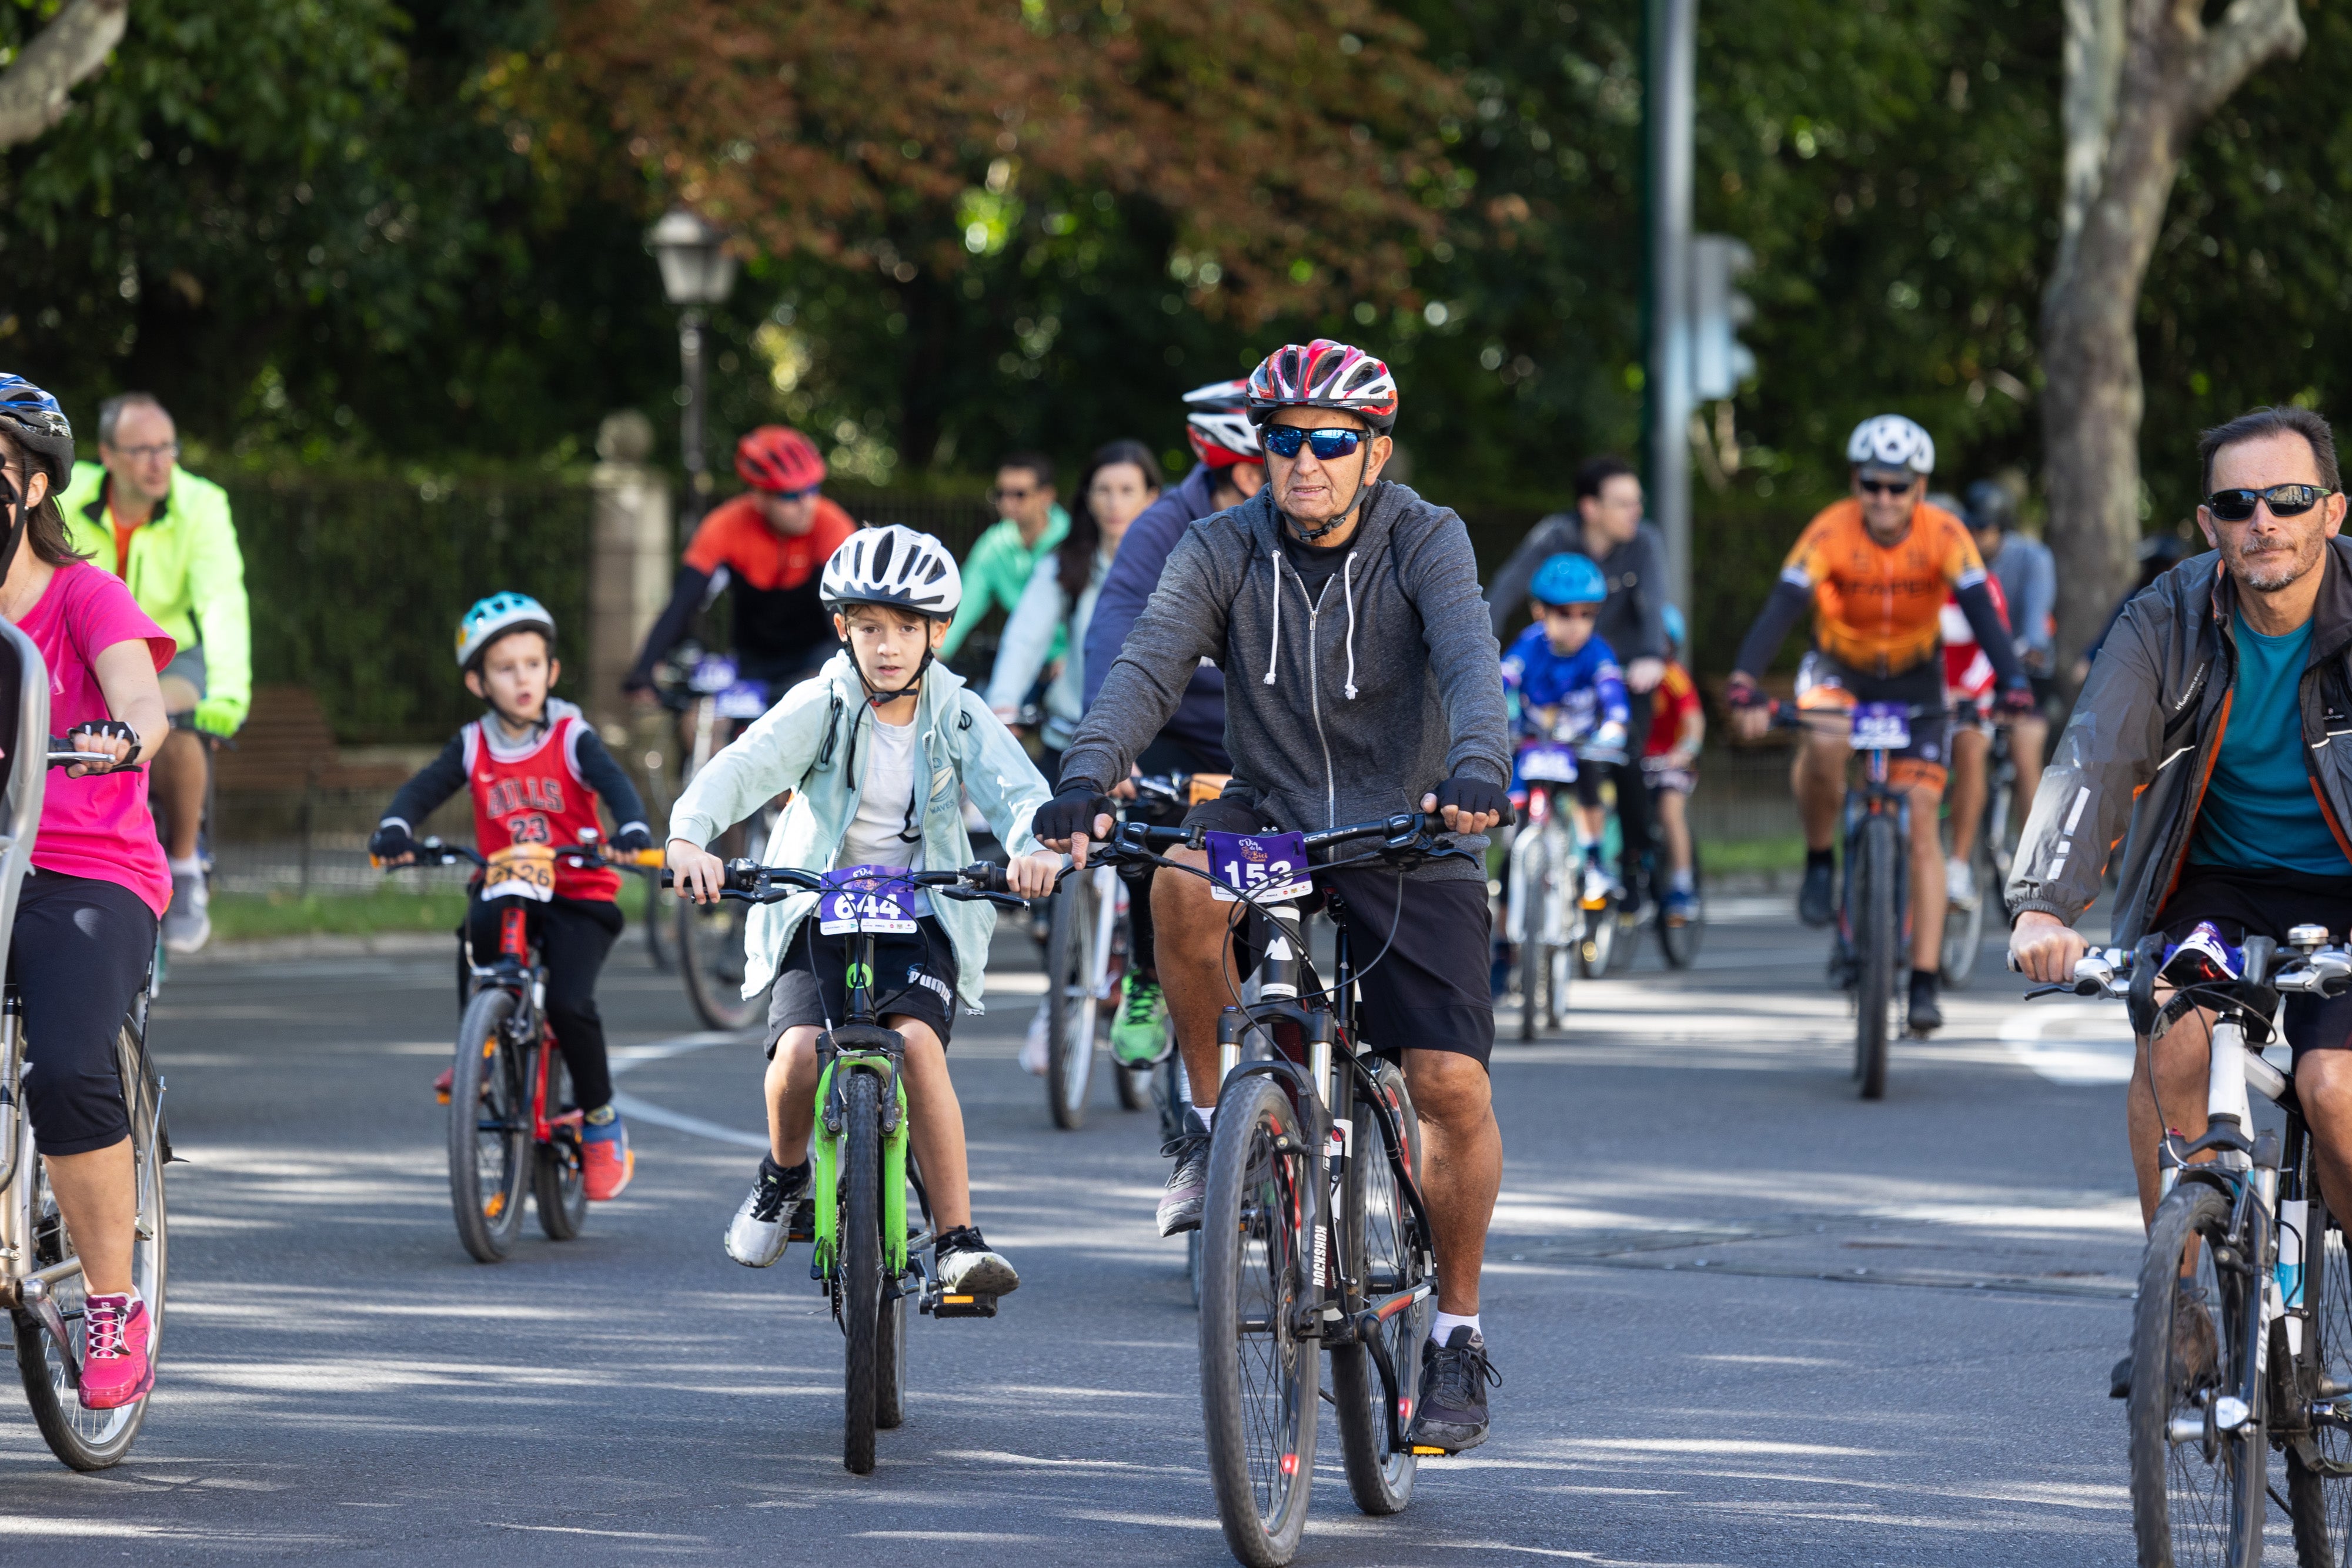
pixel 1741 1317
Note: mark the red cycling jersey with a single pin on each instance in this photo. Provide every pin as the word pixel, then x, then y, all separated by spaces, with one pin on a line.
pixel 537 797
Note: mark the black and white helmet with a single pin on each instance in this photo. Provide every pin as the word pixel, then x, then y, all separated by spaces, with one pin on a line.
pixel 893 565
pixel 1890 441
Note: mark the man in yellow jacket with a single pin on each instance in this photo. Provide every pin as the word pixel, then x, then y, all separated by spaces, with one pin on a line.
pixel 167 533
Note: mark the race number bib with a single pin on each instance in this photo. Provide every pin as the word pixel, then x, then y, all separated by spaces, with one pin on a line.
pixel 864 898
pixel 1270 867
pixel 1881 726
pixel 744 699
pixel 521 871
pixel 711 674
pixel 1548 764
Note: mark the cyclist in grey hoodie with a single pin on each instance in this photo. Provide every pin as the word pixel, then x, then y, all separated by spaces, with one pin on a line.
pixel 1362 679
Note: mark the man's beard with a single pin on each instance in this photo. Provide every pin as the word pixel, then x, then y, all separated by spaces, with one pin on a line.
pixel 2267 573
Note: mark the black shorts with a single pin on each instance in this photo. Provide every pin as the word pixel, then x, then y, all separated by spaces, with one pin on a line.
pixel 2267 903
pixel 79 956
pixel 1423 951
pixel 914 976
pixel 1920 686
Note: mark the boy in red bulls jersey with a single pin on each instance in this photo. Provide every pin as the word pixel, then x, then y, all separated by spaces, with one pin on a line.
pixel 536 770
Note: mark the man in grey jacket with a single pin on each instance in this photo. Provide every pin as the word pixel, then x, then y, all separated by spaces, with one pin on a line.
pixel 1362 679
pixel 2207 743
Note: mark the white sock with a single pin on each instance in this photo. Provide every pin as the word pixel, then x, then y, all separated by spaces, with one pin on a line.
pixel 1442 1330
pixel 1680 880
pixel 193 866
pixel 1205 1112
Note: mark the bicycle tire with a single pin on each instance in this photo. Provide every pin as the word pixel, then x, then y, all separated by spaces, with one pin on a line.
pixel 654 920
pixel 1598 951
pixel 1562 926
pixel 1380 1246
pixel 1528 911
pixel 859 1278
pixel 1875 935
pixel 2190 1504
pixel 1134 1087
pixel 489 1129
pixel 559 1180
pixel 2319 1495
pixel 1964 928
pixel 1679 941
pixel 891 1365
pixel 1073 1010
pixel 95 1439
pixel 1260 1385
pixel 711 957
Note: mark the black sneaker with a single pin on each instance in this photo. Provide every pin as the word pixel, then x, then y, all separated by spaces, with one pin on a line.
pixel 1816 902
pixel 1188 1184
pixel 1925 1014
pixel 1452 1412
pixel 2196 1352
pixel 970 1267
pixel 757 1234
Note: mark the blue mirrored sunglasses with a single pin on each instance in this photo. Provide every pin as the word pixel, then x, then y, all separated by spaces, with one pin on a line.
pixel 1285 440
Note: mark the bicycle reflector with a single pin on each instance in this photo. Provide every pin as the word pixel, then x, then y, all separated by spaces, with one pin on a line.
pixel 2202 958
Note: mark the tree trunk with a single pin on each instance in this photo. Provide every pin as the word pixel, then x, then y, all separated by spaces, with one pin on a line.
pixel 34 91
pixel 2173 72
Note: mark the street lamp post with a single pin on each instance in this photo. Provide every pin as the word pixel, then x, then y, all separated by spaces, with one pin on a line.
pixel 695 271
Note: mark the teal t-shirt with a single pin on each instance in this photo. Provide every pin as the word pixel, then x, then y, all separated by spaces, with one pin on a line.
pixel 2259 809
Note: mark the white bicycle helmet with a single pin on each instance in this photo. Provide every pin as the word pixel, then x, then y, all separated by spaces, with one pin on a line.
pixel 893 565
pixel 493 618
pixel 1217 423
pixel 1890 441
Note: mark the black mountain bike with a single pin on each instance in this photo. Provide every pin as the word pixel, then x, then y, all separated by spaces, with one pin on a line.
pixel 2242 1330
pixel 1314 1237
pixel 868 1257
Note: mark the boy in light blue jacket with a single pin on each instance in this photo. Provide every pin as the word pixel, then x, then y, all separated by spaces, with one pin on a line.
pixel 880 751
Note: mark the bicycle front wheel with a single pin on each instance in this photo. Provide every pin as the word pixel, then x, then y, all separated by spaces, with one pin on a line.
pixel 1964 928
pixel 2319 1487
pixel 1383 1249
pixel 1073 998
pixel 2196 1488
pixel 857 1279
pixel 1875 932
pixel 711 936
pixel 489 1128
pixel 559 1182
pixel 1258 1377
pixel 1680 936
pixel 94 1439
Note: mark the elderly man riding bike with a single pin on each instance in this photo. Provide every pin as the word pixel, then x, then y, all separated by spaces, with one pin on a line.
pixel 2203 745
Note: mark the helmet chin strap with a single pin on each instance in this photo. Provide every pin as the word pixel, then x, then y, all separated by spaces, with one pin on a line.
pixel 875 696
pixel 1308 535
pixel 12 498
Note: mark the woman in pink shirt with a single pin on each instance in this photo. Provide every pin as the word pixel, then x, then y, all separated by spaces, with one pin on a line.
pixel 87 914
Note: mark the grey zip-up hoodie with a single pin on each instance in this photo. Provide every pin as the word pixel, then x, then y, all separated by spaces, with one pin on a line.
pixel 1342 711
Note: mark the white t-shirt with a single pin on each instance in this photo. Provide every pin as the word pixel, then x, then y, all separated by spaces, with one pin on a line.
pixel 883 797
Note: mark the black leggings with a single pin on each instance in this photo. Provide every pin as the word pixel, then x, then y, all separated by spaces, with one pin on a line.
pixel 78 957
pixel 573 934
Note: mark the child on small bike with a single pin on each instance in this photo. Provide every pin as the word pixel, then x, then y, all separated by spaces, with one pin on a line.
pixel 879 751
pixel 1670 765
pixel 537 769
pixel 1566 687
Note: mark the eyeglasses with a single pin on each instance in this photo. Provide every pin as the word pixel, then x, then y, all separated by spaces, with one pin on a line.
pixel 1884 487
pixel 1001 495
pixel 2283 500
pixel 148 454
pixel 807 494
pixel 1285 440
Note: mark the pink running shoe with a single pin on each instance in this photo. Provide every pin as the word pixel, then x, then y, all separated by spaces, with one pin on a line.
pixel 115 1368
pixel 607 1160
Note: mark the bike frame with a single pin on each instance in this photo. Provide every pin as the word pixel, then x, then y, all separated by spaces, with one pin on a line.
pixel 1874 797
pixel 860 1044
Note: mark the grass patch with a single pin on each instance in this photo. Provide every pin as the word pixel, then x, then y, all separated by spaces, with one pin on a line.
pixel 238 916
pixel 1725 855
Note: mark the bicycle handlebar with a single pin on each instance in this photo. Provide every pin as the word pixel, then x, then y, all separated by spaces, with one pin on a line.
pixel 432 852
pixel 2309 969
pixel 748 882
pixel 62 753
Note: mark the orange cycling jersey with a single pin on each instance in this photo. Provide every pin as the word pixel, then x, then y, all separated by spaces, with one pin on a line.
pixel 1878 605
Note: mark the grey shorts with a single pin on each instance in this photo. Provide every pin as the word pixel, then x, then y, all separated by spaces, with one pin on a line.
pixel 914 977
pixel 187 665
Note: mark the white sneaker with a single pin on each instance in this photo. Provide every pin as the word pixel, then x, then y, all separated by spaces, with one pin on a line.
pixel 1033 1048
pixel 188 922
pixel 1598 884
pixel 1959 883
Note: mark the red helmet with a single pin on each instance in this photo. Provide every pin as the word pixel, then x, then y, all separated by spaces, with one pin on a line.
pixel 1324 374
pixel 777 458
pixel 1217 423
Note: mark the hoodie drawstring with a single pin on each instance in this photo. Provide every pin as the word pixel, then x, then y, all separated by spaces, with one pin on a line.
pixel 1347 592
pixel 1274 650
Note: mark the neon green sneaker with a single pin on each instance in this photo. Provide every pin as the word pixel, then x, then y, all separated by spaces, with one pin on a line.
pixel 1138 1035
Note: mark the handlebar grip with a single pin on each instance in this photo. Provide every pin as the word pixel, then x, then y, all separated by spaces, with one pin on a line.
pixel 645 860
pixel 987 876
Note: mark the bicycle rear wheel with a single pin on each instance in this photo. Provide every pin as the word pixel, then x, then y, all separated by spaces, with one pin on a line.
pixel 2199 1500
pixel 1964 928
pixel 1382 1249
pixel 1258 1377
pixel 1526 923
pixel 94 1439
pixel 857 1280
pixel 1874 940
pixel 1680 939
pixel 1073 1006
pixel 2319 1483
pixel 559 1183
pixel 489 1128
pixel 710 954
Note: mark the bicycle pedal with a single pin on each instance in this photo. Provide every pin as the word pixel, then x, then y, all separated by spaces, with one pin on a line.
pixel 1423 1451
pixel 956 1305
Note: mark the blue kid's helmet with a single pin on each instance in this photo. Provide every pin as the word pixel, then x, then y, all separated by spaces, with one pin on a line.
pixel 33 418
pixel 1568 579
pixel 1676 634
pixel 494 617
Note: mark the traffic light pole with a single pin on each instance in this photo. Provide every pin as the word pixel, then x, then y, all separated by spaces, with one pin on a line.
pixel 1670 90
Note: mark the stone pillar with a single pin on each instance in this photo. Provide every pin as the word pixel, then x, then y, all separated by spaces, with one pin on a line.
pixel 632 563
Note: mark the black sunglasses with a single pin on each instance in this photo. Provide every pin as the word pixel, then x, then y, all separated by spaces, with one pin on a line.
pixel 1884 488
pixel 1285 440
pixel 2283 500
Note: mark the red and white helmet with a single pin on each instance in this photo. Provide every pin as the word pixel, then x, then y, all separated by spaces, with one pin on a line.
pixel 779 459
pixel 1217 423
pixel 1324 374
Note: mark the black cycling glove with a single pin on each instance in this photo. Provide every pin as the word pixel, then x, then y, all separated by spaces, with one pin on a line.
pixel 1073 811
pixel 633 839
pixel 111 729
pixel 1474 797
pixel 390 841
